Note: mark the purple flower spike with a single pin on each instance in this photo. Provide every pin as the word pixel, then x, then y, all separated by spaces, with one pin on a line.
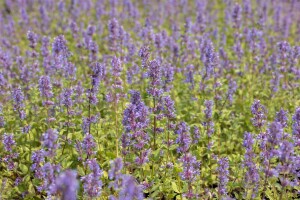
pixel 130 189
pixel 281 117
pixel 18 98
pixel 88 144
pixel 59 45
pixel 259 111
pixel 92 184
pixel 49 141
pixel 223 174
pixel 154 74
pixel 66 185
pixel 32 37
pixel 45 87
pixel 115 168
pixel 209 124
pixel 8 142
pixel 66 98
pixel 183 139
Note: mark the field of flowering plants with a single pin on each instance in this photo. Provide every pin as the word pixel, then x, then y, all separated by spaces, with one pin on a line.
pixel 150 99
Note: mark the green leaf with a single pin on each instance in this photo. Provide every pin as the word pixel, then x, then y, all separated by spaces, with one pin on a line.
pixel 269 194
pixel 81 171
pixel 174 187
pixel 23 168
pixel 154 194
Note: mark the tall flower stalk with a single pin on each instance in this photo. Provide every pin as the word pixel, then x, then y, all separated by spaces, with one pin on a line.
pixel 114 95
pixel 155 91
pixel 135 122
pixel 66 100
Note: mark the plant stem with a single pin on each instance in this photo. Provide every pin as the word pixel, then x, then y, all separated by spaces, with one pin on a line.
pixel 66 140
pixel 116 126
pixel 154 125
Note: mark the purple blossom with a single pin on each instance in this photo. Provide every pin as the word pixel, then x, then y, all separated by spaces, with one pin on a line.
pixel 85 125
pixel 90 30
pixel 8 142
pixel 126 142
pixel 116 67
pixel 26 129
pixel 275 134
pixel 232 87
pixel 195 135
pixel 66 97
pixel 283 49
pixel 98 74
pixel 144 54
pixel 168 77
pixel 88 145
pixel 143 157
pixel 154 74
pixel 209 124
pixel 32 37
pixel 74 28
pixel 115 93
pixel 223 174
pixel 191 167
pixel 208 109
pixel 296 123
pixel 48 175
pixel 237 15
pixel 183 138
pixel 45 87
pixel 275 81
pixel 93 48
pixel 92 184
pixel 189 76
pixel 18 180
pixel 18 98
pixel 49 141
pixel 136 114
pixel 87 121
pixel 135 121
pixel 45 45
pixel 9 160
pixel 78 90
pixel 45 20
pixel 209 59
pixel 252 177
pixel 37 158
pixel 3 81
pixel 130 190
pixel 70 70
pixel 169 105
pixel 115 174
pixel 66 184
pixel 268 145
pixel 131 74
pixel 24 15
pixel 259 111
pixel 158 41
pixel 115 168
pixel 27 73
pixel 289 164
pixel 114 34
pixel 59 45
pixel 2 121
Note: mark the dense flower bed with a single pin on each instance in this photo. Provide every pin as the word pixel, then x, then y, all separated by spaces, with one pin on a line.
pixel 140 99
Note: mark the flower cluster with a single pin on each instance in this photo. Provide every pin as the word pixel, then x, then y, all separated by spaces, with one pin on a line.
pixel 91 183
pixel 259 114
